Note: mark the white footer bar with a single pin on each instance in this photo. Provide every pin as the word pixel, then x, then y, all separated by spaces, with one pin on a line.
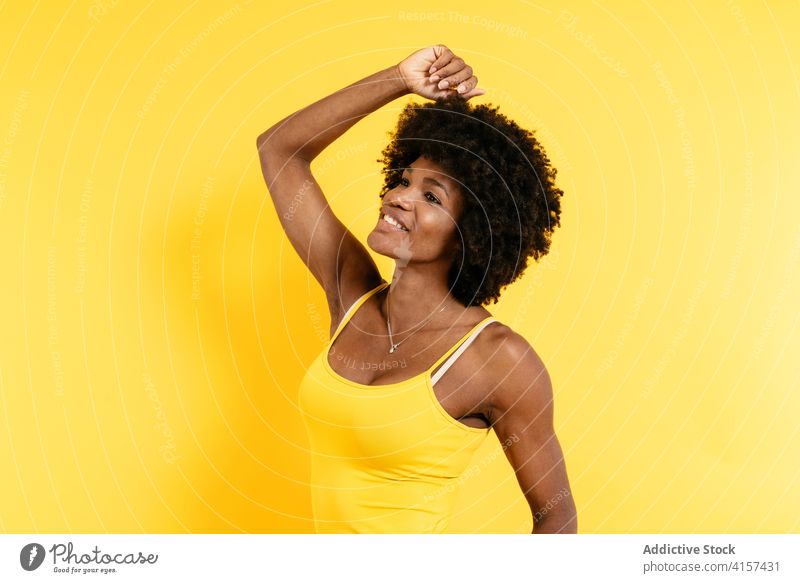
pixel 402 558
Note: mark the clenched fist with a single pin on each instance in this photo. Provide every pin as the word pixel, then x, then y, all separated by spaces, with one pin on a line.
pixel 435 72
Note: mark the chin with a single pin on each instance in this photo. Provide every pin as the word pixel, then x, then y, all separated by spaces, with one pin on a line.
pixel 377 242
pixel 382 245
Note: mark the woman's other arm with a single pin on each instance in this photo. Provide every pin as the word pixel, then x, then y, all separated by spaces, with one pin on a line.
pixel 521 412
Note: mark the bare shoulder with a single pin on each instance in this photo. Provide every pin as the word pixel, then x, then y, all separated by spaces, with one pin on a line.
pixel 503 347
pixel 514 374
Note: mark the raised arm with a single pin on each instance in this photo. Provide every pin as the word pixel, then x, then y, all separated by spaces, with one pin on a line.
pixel 338 261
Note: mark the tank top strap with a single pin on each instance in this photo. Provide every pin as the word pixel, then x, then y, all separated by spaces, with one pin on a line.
pixel 352 309
pixel 459 347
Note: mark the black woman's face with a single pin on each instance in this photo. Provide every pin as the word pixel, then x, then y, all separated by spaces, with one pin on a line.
pixel 427 202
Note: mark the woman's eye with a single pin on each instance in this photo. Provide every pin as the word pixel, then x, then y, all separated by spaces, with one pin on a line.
pixel 432 198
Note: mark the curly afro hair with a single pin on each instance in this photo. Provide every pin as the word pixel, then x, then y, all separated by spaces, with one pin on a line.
pixel 510 205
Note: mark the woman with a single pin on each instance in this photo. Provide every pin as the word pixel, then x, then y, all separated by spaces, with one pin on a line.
pixel 468 197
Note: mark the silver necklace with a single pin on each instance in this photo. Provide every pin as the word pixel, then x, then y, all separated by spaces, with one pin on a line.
pixel 389 326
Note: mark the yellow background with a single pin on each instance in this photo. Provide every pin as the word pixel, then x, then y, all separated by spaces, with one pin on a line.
pixel 154 321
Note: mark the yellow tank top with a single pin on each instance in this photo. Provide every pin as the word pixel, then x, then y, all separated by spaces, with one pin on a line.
pixel 384 458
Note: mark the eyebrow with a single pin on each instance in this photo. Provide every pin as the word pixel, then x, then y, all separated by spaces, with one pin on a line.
pixel 432 181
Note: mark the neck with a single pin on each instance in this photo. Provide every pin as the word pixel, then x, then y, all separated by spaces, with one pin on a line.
pixel 417 298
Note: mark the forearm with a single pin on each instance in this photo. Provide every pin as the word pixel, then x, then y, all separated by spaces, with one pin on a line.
pixel 305 133
pixel 565 523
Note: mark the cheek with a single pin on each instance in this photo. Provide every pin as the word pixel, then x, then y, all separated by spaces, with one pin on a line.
pixel 436 219
pixel 437 226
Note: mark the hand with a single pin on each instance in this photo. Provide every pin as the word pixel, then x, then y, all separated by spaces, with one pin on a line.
pixel 435 72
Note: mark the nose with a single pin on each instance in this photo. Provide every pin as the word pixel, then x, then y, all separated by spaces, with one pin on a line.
pixel 399 200
pixel 402 202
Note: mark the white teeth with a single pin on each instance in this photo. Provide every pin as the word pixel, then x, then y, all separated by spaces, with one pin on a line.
pixel 393 222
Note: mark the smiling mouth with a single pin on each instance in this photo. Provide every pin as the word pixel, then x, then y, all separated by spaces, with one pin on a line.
pixel 387 219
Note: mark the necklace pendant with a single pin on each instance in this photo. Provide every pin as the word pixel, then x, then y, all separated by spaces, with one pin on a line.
pixel 393 348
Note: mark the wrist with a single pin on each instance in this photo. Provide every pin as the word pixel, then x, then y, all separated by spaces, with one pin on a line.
pixel 401 80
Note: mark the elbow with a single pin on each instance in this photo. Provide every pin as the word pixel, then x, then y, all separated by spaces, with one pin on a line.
pixel 261 141
pixel 269 155
pixel 269 148
pixel 269 142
